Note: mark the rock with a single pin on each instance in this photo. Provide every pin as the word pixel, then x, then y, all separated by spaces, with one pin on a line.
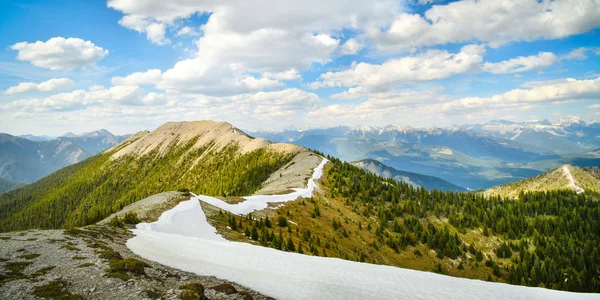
pixel 92 289
pixel 225 288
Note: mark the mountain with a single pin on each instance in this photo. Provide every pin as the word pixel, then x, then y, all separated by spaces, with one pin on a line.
pixel 475 156
pixel 566 177
pixel 414 179
pixel 25 160
pixel 455 155
pixel 568 135
pixel 36 138
pixel 209 157
pixel 281 196
pixel 6 185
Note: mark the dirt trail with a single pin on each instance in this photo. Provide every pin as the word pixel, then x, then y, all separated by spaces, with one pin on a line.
pixel 577 189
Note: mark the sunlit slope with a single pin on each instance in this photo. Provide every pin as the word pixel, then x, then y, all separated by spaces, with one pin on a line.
pixel 212 158
pixel 566 177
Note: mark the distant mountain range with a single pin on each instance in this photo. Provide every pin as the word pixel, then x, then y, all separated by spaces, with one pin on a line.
pixel 28 158
pixel 471 156
pixel 414 179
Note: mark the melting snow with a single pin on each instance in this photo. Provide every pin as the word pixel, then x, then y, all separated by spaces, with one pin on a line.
pixel 254 203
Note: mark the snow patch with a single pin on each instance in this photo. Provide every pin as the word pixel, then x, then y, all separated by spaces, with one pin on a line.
pixel 260 202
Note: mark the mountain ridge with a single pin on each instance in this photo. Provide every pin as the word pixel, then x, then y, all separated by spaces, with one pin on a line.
pixel 414 179
pixel 208 157
pixel 565 177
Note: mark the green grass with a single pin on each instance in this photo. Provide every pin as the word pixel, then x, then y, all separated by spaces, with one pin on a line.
pixel 16 267
pixel 79 257
pixel 85 265
pixel 55 290
pixel 43 271
pixel 70 248
pixel 30 256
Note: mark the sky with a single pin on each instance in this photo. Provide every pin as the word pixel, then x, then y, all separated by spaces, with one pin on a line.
pixel 130 65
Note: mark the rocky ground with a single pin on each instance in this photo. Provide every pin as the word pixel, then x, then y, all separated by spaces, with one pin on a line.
pixel 94 263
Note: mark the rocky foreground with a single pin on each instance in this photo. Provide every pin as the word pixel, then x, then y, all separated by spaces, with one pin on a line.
pixel 94 263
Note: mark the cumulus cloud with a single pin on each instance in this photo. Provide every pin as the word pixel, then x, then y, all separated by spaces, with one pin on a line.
pixel 155 32
pixel 288 75
pixel 430 65
pixel 288 35
pixel 94 96
pixel 46 86
pixel 522 63
pixel 493 21
pixel 556 92
pixel 59 53
pixel 351 46
pixel 387 107
pixel 260 83
pixel 186 31
pixel 151 76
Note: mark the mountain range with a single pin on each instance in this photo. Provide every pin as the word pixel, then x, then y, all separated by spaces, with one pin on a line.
pixel 27 159
pixel 473 156
pixel 252 192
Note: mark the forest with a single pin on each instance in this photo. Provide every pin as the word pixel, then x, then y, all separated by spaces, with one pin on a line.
pixel 548 239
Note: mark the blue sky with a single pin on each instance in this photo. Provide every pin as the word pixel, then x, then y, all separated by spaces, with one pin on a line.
pixel 128 65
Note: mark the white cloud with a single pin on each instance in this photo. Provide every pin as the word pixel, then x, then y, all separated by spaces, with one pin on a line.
pixel 493 21
pixel 578 54
pixel 351 46
pixel 554 92
pixel 95 96
pixel 59 53
pixel 288 75
pixel 186 31
pixel 522 64
pixel 46 86
pixel 432 107
pixel 430 65
pixel 151 76
pixel 594 106
pixel 288 35
pixel 155 32
pixel 261 83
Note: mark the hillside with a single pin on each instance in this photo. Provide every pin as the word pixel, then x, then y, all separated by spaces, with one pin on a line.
pixel 414 179
pixel 213 158
pixel 566 177
pixel 29 159
pixel 358 216
pixel 6 185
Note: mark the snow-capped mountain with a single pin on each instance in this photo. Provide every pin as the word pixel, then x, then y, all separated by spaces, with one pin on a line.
pixel 472 156
pixel 568 135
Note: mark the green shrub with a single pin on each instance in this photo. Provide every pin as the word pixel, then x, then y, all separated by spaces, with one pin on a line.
pixel 54 290
pixel 189 295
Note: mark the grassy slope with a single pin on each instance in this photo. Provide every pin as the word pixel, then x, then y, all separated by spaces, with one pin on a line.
pixel 89 191
pixel 359 242
pixel 553 180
